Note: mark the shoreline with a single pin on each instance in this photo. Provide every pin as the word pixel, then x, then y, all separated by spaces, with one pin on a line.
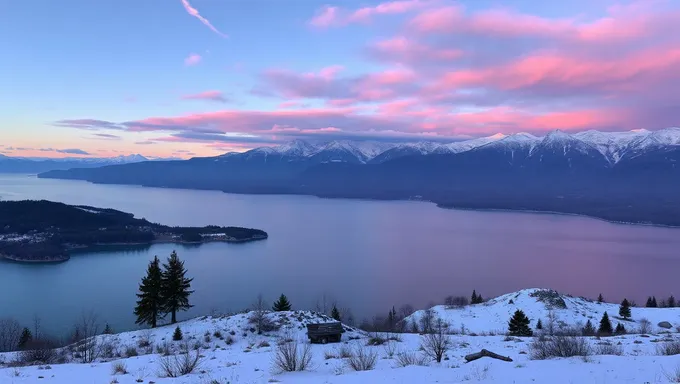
pixel 79 249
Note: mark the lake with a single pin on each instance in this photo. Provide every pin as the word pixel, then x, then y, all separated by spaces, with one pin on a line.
pixel 366 255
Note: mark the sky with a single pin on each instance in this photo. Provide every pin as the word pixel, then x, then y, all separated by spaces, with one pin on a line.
pixel 183 78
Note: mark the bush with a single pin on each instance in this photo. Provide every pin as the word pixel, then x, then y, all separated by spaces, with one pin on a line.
pixel 405 359
pixel 344 352
pixel 131 352
pixel 38 351
pixel 456 301
pixel 437 343
pixel 362 359
pixel 182 364
pixel 645 326
pixel 10 334
pixel 559 346
pixel 164 349
pixel 291 357
pixel 609 349
pixel 119 368
pixel 668 348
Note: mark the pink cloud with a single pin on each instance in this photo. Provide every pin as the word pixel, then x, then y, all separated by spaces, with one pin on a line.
pixel 326 17
pixel 330 16
pixel 408 51
pixel 192 59
pixel 207 95
pixel 194 12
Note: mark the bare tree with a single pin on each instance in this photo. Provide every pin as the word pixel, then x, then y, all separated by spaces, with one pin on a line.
pixel 551 323
pixel 290 356
pixel 347 316
pixel 456 301
pixel 88 329
pixel 406 310
pixel 36 327
pixel 427 321
pixel 260 309
pixel 436 343
pixel 181 364
pixel 10 333
pixel 323 304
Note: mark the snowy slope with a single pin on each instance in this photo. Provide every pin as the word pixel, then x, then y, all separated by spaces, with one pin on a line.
pixel 493 315
pixel 246 357
pixel 467 145
pixel 611 144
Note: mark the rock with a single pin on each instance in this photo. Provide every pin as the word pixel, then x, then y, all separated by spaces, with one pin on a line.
pixel 665 324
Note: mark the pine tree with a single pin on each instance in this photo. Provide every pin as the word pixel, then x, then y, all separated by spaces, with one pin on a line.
pixel 654 303
pixel 624 309
pixel 589 329
pixel 107 330
pixel 175 287
pixel 620 329
pixel 150 304
pixel 177 335
pixel 24 339
pixel 480 299
pixel 282 304
pixel 335 313
pixel 600 299
pixel 391 319
pixel 519 325
pixel 649 302
pixel 605 325
pixel 671 302
pixel 539 324
pixel 473 299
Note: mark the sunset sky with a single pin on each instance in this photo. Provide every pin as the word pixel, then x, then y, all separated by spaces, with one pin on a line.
pixel 203 77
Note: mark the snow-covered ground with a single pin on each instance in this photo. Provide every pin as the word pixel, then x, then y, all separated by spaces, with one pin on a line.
pixel 239 355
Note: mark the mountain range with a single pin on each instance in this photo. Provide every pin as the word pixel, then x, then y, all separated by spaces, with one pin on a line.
pixel 619 176
pixel 42 164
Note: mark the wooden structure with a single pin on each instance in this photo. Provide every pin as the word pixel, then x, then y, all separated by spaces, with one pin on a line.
pixel 325 332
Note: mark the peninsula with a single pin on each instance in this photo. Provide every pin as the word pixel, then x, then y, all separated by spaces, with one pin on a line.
pixel 45 231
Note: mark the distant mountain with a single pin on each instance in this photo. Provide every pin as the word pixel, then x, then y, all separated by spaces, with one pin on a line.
pixel 620 176
pixel 38 165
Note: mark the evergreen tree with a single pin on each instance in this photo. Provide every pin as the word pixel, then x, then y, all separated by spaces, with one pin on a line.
pixel 177 335
pixel 282 304
pixel 605 325
pixel 671 302
pixel 473 299
pixel 175 287
pixel 480 299
pixel 539 324
pixel 600 299
pixel 519 325
pixel 649 302
pixel 335 313
pixel 150 303
pixel 620 329
pixel 589 329
pixel 624 309
pixel 107 330
pixel 25 338
pixel 391 320
pixel 654 303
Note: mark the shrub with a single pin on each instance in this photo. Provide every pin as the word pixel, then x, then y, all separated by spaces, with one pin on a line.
pixel 390 349
pixel 164 349
pixel 229 340
pixel 609 349
pixel 217 334
pixel 668 348
pixel 119 368
pixel 436 344
pixel 38 351
pixel 131 352
pixel 456 301
pixel 559 346
pixel 327 355
pixel 405 359
pixel 344 352
pixel 362 359
pixel 376 340
pixel 290 356
pixel 177 335
pixel 645 326
pixel 182 364
pixel 10 334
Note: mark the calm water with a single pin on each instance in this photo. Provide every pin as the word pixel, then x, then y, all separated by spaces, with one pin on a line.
pixel 367 255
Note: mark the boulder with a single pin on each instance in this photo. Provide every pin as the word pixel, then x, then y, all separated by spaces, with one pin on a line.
pixel 665 324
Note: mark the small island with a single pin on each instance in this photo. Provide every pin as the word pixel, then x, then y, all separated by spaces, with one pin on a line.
pixel 46 232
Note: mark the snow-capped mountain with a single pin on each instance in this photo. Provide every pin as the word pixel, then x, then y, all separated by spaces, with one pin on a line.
pixel 613 146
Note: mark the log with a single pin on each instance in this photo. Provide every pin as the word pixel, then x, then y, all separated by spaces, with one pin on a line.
pixel 485 353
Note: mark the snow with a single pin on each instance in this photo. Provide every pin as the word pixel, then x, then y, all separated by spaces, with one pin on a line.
pixel 611 144
pixel 467 145
pixel 248 359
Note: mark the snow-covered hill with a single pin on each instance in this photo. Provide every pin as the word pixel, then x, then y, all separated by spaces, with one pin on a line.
pixel 233 352
pixel 569 311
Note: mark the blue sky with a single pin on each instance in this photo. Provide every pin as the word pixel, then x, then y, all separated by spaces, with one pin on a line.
pixel 280 75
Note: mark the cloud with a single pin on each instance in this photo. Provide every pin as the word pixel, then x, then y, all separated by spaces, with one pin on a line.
pixel 331 16
pixel 194 12
pixel 207 95
pixel 192 59
pixel 73 151
pixel 106 136
pixel 87 124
